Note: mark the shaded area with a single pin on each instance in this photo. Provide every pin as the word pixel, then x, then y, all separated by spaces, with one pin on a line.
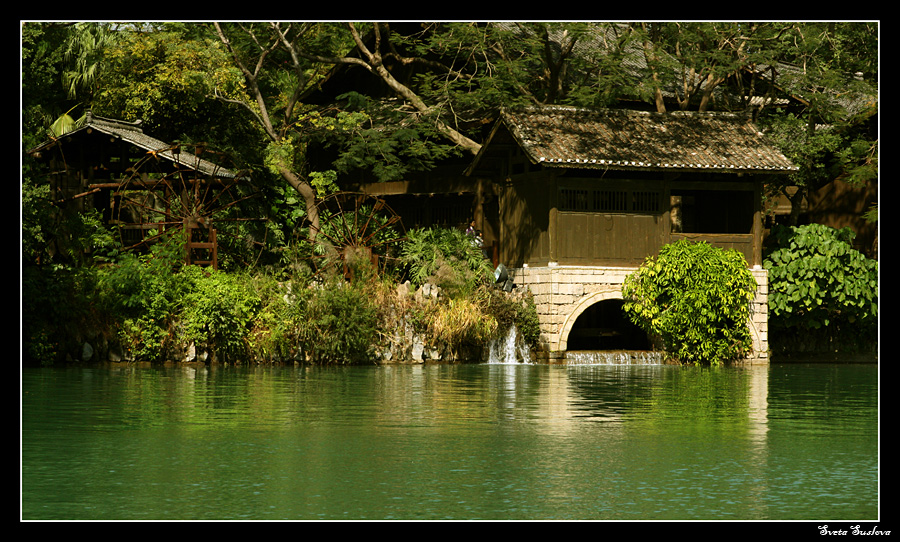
pixel 604 326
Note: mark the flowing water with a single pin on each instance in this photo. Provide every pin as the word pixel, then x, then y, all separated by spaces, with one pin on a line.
pixel 615 357
pixel 492 441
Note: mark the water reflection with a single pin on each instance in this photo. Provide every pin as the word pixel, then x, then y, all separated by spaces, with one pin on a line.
pixel 492 441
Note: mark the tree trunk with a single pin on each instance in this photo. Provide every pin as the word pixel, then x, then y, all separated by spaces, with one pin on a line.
pixel 796 205
pixel 650 57
pixel 308 194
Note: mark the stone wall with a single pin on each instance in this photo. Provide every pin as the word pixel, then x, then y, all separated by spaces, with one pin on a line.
pixel 562 293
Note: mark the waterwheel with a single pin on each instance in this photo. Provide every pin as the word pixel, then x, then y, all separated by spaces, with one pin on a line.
pixel 354 226
pixel 153 203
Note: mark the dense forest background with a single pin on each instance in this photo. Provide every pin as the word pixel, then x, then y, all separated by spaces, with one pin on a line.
pixel 302 107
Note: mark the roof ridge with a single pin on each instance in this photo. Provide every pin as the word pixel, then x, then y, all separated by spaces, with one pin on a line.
pixel 625 112
pixel 135 126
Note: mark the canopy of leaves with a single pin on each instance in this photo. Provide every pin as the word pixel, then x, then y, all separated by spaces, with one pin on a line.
pixel 167 79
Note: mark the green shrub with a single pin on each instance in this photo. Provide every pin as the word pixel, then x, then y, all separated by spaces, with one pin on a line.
pixel 527 322
pixel 57 309
pixel 218 311
pixel 696 299
pixel 446 257
pixel 143 294
pixel 339 325
pixel 511 309
pixel 817 281
pixel 274 335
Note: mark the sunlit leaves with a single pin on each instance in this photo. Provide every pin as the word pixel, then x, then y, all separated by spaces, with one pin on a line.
pixel 817 279
pixel 695 297
pixel 163 77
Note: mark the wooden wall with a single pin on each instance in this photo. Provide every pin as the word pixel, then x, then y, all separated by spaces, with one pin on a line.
pixel 546 217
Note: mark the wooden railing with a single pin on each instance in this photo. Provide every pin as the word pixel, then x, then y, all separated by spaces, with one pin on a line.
pixel 743 243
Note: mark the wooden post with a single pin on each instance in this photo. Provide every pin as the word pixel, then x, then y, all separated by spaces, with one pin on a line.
pixel 209 245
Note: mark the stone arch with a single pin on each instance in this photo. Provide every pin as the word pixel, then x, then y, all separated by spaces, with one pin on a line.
pixel 579 308
pixel 589 300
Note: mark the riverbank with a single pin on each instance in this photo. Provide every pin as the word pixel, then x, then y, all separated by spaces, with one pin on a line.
pixel 214 317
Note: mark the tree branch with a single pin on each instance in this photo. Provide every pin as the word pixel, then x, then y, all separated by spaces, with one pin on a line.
pixel 377 67
pixel 251 78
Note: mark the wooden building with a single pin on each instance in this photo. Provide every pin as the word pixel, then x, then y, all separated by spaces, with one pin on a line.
pixel 567 186
pixel 146 188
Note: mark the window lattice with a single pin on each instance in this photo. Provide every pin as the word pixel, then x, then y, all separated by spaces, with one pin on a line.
pixel 647 202
pixel 609 201
pixel 573 200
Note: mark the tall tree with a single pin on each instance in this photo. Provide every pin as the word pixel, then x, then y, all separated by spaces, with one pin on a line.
pixel 272 95
pixel 690 60
pixel 831 69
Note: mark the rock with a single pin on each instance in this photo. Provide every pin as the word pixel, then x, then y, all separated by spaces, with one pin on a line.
pixel 87 352
pixel 191 353
pixel 113 355
pixel 418 350
pixel 404 290
pixel 428 291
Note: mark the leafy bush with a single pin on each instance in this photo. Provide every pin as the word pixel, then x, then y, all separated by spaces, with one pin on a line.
pixel 527 322
pixel 817 281
pixel 696 299
pixel 446 257
pixel 274 332
pixel 339 324
pixel 143 293
pixel 57 309
pixel 517 310
pixel 218 311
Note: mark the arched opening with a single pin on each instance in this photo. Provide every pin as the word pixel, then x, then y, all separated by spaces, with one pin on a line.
pixel 605 326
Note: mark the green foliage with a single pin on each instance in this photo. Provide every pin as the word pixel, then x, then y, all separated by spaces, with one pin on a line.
pixel 695 298
pixel 527 322
pixel 810 150
pixel 37 219
pixel 144 293
pixel 166 77
pixel 817 279
pixel 57 308
pixel 163 306
pixel 280 155
pixel 339 324
pixel 446 257
pixel 218 310
pixel 363 143
pixel 510 310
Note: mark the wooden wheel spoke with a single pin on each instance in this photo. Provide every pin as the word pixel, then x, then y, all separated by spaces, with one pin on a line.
pixel 358 221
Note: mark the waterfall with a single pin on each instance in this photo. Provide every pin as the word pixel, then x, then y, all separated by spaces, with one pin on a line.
pixel 615 357
pixel 508 348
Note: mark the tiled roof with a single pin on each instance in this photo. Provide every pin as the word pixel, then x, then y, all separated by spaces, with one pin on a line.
pixel 559 136
pixel 132 133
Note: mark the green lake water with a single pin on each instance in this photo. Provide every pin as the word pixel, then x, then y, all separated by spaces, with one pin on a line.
pixel 451 442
